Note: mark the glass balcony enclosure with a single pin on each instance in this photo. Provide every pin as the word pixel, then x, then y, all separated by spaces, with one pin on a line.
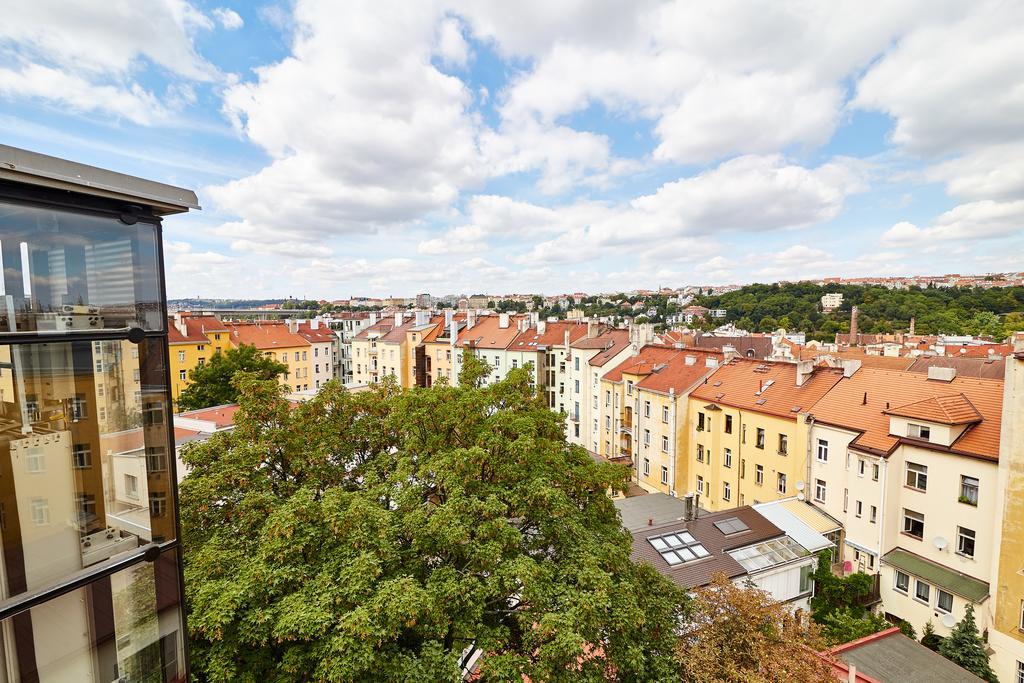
pixel 90 572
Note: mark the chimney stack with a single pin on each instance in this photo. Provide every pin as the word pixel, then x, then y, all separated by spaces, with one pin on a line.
pixel 542 327
pixel 503 320
pixel 913 325
pixel 591 329
pixel 853 326
pixel 804 370
pixel 471 318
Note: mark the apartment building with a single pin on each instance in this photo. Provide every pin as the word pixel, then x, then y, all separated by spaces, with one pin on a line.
pixel 439 349
pixel 417 362
pixel 193 340
pixel 1006 635
pixel 323 347
pixel 90 570
pixel 749 431
pixel 591 357
pixel 393 351
pixel 345 326
pixel 277 340
pixel 909 463
pixel 546 346
pixel 488 337
pixel 644 411
pixel 365 352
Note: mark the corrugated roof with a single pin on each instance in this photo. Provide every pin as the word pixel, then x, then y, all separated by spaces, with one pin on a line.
pixel 860 402
pixel 955 582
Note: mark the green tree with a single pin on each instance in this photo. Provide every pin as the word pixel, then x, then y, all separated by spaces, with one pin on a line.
pixel 965 647
pixel 929 638
pixel 834 593
pixel 211 383
pixel 379 536
pixel 845 624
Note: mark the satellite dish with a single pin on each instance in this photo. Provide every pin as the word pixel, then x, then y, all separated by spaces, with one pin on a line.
pixel 799 486
pixel 948 621
pixel 799 496
pixel 940 543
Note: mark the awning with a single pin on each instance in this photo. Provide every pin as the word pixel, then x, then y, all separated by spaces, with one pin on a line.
pixel 965 586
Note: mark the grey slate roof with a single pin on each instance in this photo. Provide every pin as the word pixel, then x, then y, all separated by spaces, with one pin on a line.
pixel 894 658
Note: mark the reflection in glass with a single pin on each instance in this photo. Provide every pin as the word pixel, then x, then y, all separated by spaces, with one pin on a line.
pixel 71 272
pixel 83 457
pixel 126 627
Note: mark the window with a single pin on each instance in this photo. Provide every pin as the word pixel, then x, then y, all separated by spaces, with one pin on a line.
pixel 783 444
pixel 35 459
pixel 874 471
pixel 576 386
pixel 1020 672
pixel 607 422
pixel 700 453
pixel 86 504
pixel 858 508
pixel 201 362
pixel 152 414
pixel 913 523
pixel 664 414
pixel 917 476
pixel 200 347
pixel 629 387
pixel 181 356
pixel 782 483
pixel 922 591
pixel 822 450
pixel 743 434
pixel 902 582
pixel 284 357
pixel 576 361
pixel 131 486
pixel 700 488
pixel 40 511
pixel 760 438
pixel 965 541
pixel 607 398
pixel 726 491
pixel 664 474
pixel 181 375
pixel 727 457
pixel 700 422
pixel 78 407
pixel 919 431
pixel 664 444
pixel 81 456
pixel 968 490
pixel 647 437
pixel 873 516
pixel 943 601
pixel 647 467
pixel 156 458
pixel 846 499
pixel 157 504
pixel 728 424
pixel 297 354
pixel 647 408
pixel 805 578
pixel 759 475
pixel 678 547
pixel 819 490
pixel 860 467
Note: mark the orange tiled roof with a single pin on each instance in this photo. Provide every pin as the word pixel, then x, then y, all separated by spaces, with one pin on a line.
pixel 955 409
pixel 192 336
pixel 396 335
pixel 680 374
pixel 643 363
pixel 222 416
pixel 487 334
pixel 205 323
pixel 610 342
pixel 376 330
pixel 766 387
pixel 265 336
pixel 860 403
pixel 554 335
pixel 321 335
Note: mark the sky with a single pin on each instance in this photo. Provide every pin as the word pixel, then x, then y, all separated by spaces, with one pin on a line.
pixel 388 148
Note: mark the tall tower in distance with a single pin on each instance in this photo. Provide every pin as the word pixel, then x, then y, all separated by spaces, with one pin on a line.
pixel 853 326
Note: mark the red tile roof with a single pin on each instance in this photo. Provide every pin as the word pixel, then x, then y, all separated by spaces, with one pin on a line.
pixel 683 370
pixel 487 334
pixel 222 416
pixel 554 335
pixel 265 336
pixel 321 335
pixel 376 330
pixel 862 403
pixel 610 342
pixel 766 387
pixel 951 410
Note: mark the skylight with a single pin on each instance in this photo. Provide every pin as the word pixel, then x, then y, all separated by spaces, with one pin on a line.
pixel 769 553
pixel 732 525
pixel 678 547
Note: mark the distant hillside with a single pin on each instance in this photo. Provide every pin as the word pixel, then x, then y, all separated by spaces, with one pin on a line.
pixel 762 308
pixel 220 303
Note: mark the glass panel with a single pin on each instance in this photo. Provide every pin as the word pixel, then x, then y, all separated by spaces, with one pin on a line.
pixel 126 627
pixel 83 457
pixel 70 272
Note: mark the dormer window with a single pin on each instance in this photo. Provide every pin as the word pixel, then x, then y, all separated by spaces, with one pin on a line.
pixel 919 431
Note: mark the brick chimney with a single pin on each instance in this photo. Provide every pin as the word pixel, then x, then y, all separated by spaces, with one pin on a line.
pixel 853 326
pixel 913 325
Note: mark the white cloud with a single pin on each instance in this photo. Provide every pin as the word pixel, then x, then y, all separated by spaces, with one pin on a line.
pixel 363 131
pixel 465 239
pixel 229 19
pixel 88 56
pixel 979 220
pixel 993 172
pixel 451 45
pixel 955 84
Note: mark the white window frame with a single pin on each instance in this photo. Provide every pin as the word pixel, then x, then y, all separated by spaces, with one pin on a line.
pixel 896 582
pixel 822 450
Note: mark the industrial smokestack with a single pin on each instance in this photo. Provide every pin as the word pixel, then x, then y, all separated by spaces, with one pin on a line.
pixel 853 326
pixel 913 325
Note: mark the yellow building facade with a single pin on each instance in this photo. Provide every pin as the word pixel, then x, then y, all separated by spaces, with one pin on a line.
pixel 748 432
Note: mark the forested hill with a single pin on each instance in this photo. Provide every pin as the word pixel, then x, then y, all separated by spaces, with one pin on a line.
pixel 797 307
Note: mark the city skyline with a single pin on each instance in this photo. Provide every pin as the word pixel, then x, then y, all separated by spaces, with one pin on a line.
pixel 450 147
